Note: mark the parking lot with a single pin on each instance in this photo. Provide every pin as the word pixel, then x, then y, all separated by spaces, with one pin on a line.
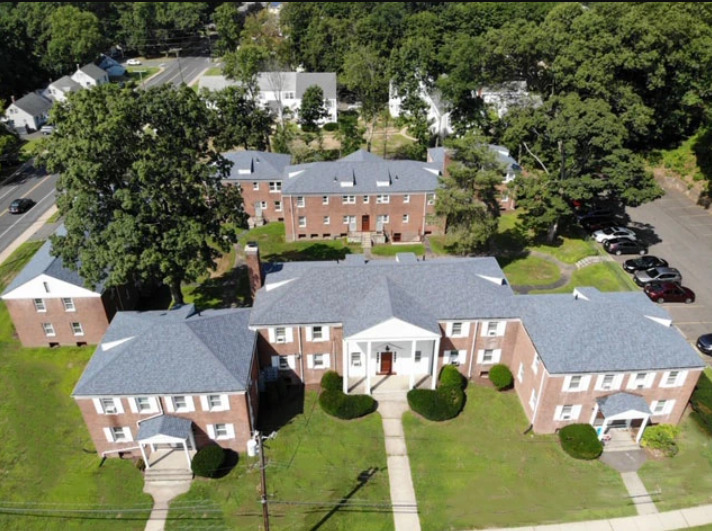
pixel 681 232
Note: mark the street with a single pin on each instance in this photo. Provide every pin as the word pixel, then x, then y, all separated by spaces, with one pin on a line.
pixel 177 71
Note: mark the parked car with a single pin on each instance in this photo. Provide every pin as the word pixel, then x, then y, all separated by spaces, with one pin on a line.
pixel 594 212
pixel 20 205
pixel 613 232
pixel 624 245
pixel 47 129
pixel 657 274
pixel 704 343
pixel 133 62
pixel 668 292
pixel 644 262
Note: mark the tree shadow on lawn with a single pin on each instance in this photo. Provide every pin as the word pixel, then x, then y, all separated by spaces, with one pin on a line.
pixel 316 251
pixel 231 289
pixel 277 411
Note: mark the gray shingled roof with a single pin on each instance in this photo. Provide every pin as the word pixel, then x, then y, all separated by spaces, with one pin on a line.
pixel 33 104
pixel 618 403
pixel 171 352
pixel 329 292
pixel 361 156
pixel 43 263
pixel 167 425
pixel 263 166
pixel 66 84
pixel 93 71
pixel 325 80
pixel 325 178
pixel 608 332
pixel 504 158
pixel 214 83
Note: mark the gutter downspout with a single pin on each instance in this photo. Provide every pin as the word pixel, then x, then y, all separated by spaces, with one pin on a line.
pixel 425 204
pixel 477 327
pixel 301 355
pixel 538 398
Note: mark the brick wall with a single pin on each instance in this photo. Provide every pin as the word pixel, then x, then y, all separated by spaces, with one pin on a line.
pixel 252 196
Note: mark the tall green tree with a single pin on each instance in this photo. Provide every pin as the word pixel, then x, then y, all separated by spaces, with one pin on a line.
pixel 238 120
pixel 74 38
pixel 140 188
pixel 350 133
pixel 229 21
pixel 467 197
pixel 312 108
pixel 244 64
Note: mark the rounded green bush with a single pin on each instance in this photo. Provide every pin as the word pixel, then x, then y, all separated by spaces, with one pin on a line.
pixel 444 403
pixel 331 126
pixel 661 437
pixel 207 461
pixel 450 376
pixel 340 405
pixel 580 441
pixel 501 377
pixel 331 381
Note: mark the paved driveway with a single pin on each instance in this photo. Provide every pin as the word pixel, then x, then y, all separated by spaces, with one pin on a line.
pixel 680 231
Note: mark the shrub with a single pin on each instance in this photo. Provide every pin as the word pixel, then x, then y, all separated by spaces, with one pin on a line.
pixel 331 126
pixel 661 437
pixel 338 404
pixel 501 377
pixel 140 464
pixel 331 381
pixel 580 441
pixel 450 376
pixel 208 460
pixel 701 401
pixel 444 403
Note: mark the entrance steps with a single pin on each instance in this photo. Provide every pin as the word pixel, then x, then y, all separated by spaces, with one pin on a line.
pixel 366 240
pixel 152 475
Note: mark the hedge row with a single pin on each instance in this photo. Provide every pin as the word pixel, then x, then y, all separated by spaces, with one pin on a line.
pixel 338 404
pixel 580 441
pixel 442 404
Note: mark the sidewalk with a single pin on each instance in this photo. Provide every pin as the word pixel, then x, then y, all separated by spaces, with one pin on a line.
pixel 25 236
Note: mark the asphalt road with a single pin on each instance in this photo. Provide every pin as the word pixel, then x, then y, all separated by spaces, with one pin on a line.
pixel 33 183
pixel 177 71
pixel 680 231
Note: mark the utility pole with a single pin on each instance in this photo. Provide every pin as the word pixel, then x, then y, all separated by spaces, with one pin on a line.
pixel 177 52
pixel 265 511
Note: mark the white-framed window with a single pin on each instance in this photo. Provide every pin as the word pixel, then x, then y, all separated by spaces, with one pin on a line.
pixel 283 363
pixel 356 359
pixel 77 329
pixel 263 205
pixel 325 200
pixel 383 199
pixel 40 305
pixel 383 218
pixel 219 432
pixel 280 334
pixel 302 221
pixel 348 199
pixel 576 383
pixel 366 199
pixel 255 186
pixel 494 328
pixel 431 199
pixel 533 400
pixel 327 220
pixel 567 412
pixel 641 380
pixel 108 406
pixel 143 404
pixel 301 203
pixel 318 333
pixel 180 404
pixel 662 407
pixel 455 357
pixel 457 329
pixel 609 382
pixel 46 287
pixel 288 95
pixel 215 403
pixel 489 356
pixel 275 186
pixel 535 364
pixel 48 329
pixel 318 361
pixel 418 356
pixel 406 198
pixel 118 434
pixel 406 218
pixel 673 379
pixel 520 373
pixel 278 206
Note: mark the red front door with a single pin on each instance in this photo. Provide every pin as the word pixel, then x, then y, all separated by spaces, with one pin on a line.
pixel 386 362
pixel 365 223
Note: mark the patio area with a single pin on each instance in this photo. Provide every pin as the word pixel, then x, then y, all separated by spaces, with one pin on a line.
pixel 392 383
pixel 169 459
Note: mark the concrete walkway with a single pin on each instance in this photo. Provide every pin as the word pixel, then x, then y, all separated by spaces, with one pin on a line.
pixel 391 406
pixel 163 493
pixel 642 500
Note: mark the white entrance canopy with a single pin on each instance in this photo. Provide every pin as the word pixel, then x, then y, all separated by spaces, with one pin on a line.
pixel 623 407
pixel 165 429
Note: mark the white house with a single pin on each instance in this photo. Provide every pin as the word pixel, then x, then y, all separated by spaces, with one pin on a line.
pixel 61 89
pixel 438 114
pixel 29 113
pixel 90 76
pixel 507 95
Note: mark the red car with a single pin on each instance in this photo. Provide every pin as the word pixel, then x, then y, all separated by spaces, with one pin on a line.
pixel 669 292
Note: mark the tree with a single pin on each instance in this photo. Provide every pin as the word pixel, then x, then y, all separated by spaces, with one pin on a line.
pixel 238 120
pixel 140 189
pixel 349 134
pixel 312 108
pixel 467 197
pixel 244 64
pixel 75 38
pixel 229 21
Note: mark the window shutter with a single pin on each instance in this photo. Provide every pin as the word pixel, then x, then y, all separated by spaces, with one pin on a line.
pixel 275 361
pixel 325 332
pixel 292 362
pixel 557 414
pixel 230 431
pixel 289 336
pixel 310 361
pixel 480 355
pixel 270 333
pixel 97 406
pixel 225 401
pixel 465 329
pixel 310 334
pixel 497 355
pixel 169 403
pixel 681 379
pixel 211 431
pixel 327 361
pixel 204 403
pixel 575 412
pixel 190 403
pixel 668 406
pixel 446 357
pixel 127 434
pixel 520 372
pixel 119 406
pixel 585 383
pixel 483 329
pixel 109 436
pixel 132 404
pixel 461 356
pixel 448 329
pixel 154 404
pixel 567 382
pixel 501 328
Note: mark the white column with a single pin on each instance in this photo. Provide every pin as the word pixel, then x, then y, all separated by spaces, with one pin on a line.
pixel 143 454
pixel 646 419
pixel 346 367
pixel 595 413
pixel 368 368
pixel 187 454
pixel 153 447
pixel 436 356
pixel 192 439
pixel 412 365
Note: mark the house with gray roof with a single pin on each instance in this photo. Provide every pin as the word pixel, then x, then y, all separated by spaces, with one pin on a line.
pixel 29 113
pixel 50 304
pixel 438 112
pixel 60 89
pixel 173 377
pixel 397 323
pixel 90 75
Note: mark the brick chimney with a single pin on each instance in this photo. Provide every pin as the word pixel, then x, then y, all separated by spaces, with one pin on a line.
pixel 254 267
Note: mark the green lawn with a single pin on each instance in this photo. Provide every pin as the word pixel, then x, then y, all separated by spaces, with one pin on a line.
pixel 437 244
pixel 313 462
pixel 606 276
pixel 30 148
pixel 392 250
pixel 141 73
pixel 273 247
pixel 214 71
pixel 479 470
pixel 48 460
pixel 531 271
pixel 568 250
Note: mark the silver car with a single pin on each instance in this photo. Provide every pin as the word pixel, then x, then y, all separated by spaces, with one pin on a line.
pixel 657 274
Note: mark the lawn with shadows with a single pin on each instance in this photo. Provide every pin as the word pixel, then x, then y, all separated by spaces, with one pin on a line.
pixel 605 276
